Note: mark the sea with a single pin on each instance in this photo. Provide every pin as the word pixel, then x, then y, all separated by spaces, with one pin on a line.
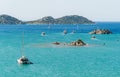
pixel 99 58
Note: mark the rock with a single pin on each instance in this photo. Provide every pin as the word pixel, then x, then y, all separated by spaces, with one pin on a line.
pixel 56 43
pixel 101 31
pixel 79 42
pixel 72 19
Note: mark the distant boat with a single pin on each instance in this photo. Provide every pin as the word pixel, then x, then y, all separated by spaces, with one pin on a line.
pixel 77 27
pixel 65 31
pixel 23 59
pixel 93 37
pixel 43 34
pixel 56 43
pixel 73 32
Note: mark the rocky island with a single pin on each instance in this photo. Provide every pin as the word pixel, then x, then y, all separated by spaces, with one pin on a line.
pixel 100 31
pixel 72 19
pixel 79 42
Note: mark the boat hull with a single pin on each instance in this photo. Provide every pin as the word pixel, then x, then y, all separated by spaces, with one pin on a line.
pixel 24 62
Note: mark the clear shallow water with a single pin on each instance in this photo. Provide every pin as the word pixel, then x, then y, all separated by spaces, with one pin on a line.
pixel 94 60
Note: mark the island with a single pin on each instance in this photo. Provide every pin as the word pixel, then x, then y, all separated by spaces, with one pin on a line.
pixel 78 42
pixel 71 19
pixel 100 31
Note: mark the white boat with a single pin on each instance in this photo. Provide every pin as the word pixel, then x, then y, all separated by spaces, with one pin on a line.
pixel 43 34
pixel 65 31
pixel 23 59
pixel 73 32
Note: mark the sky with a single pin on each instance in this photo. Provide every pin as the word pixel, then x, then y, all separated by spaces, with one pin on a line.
pixel 95 10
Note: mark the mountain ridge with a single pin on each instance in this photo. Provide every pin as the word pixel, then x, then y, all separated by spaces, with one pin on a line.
pixel 71 19
pixel 6 19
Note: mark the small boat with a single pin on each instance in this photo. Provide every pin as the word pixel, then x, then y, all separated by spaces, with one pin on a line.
pixel 43 34
pixel 93 37
pixel 65 31
pixel 23 59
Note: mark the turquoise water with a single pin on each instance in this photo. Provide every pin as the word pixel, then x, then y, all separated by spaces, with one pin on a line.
pixel 94 60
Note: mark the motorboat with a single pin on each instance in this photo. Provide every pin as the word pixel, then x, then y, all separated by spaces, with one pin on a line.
pixel 65 31
pixel 43 34
pixel 93 37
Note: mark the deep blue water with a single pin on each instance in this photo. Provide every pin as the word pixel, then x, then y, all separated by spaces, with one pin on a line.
pixel 113 26
pixel 94 60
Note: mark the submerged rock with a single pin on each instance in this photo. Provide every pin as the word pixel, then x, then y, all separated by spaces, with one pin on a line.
pixel 101 31
pixel 79 42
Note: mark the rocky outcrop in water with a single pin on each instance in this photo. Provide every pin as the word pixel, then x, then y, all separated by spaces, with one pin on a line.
pixel 6 19
pixel 56 43
pixel 100 31
pixel 79 42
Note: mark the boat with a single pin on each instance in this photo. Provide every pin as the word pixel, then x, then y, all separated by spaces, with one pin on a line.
pixel 43 34
pixel 23 59
pixel 93 37
pixel 65 31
